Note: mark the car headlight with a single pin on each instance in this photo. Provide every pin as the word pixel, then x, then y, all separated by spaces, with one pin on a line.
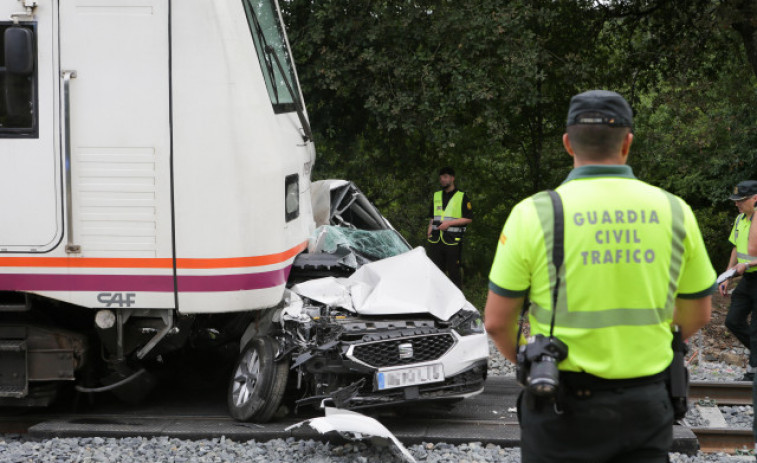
pixel 471 323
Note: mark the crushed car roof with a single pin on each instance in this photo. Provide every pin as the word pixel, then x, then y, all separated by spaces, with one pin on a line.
pixel 405 284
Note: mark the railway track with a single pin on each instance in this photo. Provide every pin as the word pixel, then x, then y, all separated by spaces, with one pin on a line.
pixel 708 395
pixel 489 417
pixel 713 440
pixel 724 393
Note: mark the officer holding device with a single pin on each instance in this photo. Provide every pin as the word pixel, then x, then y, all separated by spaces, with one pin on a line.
pixel 744 297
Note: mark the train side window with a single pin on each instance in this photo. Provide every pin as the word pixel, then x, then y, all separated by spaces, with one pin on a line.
pixel 18 81
pixel 268 36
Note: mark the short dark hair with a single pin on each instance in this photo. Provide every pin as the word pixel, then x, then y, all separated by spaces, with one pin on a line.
pixel 596 142
pixel 447 170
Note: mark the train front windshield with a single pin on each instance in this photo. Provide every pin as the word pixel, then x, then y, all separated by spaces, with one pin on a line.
pixel 270 43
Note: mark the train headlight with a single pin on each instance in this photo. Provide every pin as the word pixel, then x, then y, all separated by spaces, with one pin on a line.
pixel 292 196
pixel 105 319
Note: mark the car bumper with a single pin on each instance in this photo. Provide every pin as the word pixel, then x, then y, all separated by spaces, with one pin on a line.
pixel 464 367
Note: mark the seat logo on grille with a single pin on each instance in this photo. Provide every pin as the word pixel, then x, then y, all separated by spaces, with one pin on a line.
pixel 406 350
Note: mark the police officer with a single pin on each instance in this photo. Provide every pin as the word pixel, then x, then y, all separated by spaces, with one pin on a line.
pixel 451 212
pixel 634 265
pixel 744 297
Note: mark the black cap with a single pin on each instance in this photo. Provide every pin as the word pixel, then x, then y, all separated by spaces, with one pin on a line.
pixel 744 189
pixel 447 170
pixel 600 107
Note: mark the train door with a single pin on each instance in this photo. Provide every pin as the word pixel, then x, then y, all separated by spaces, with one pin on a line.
pixel 115 84
pixel 30 183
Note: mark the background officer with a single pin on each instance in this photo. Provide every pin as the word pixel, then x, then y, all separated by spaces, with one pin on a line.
pixel 635 263
pixel 744 297
pixel 451 212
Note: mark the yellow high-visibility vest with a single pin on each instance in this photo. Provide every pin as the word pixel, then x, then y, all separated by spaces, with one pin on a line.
pixel 740 239
pixel 454 210
pixel 630 248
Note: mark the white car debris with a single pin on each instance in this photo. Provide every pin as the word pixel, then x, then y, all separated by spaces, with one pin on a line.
pixel 354 426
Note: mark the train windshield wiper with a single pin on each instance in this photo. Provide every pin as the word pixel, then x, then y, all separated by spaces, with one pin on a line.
pixel 297 103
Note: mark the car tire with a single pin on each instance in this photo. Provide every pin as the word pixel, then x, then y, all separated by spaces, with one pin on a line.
pixel 258 382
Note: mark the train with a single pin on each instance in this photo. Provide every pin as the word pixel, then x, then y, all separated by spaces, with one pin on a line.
pixel 156 197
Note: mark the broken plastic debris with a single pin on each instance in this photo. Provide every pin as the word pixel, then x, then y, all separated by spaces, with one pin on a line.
pixel 293 307
pixel 353 426
pixel 326 290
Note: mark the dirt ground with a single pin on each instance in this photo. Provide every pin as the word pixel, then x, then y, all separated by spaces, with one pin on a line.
pixel 717 343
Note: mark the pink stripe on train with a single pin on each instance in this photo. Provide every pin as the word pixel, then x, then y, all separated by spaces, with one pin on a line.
pixel 151 283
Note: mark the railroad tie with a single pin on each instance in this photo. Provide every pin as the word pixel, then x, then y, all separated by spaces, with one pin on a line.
pixel 710 411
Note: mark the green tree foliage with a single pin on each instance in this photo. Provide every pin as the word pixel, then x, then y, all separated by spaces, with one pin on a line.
pixel 694 98
pixel 396 89
pixel 699 140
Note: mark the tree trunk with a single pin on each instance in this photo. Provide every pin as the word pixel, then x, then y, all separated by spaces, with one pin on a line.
pixel 747 28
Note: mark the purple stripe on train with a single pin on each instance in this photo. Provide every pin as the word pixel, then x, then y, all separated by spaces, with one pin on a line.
pixel 153 283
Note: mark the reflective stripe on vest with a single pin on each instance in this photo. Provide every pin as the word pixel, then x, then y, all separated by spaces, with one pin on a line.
pixel 454 210
pixel 607 317
pixel 450 229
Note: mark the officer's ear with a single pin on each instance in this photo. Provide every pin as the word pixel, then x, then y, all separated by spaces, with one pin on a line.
pixel 626 147
pixel 566 144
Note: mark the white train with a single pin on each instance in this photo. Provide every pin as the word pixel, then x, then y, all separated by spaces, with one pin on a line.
pixel 155 160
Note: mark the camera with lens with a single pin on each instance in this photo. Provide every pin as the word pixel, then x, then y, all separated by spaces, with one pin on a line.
pixel 537 364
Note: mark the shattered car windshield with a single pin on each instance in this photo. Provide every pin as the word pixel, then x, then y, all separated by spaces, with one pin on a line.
pixel 378 244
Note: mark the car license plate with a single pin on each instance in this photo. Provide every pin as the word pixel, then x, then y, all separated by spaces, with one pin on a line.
pixel 410 376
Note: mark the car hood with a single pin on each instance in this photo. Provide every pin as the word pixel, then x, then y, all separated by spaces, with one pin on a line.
pixel 409 283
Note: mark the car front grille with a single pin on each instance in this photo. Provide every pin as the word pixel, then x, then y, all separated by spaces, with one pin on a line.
pixel 387 353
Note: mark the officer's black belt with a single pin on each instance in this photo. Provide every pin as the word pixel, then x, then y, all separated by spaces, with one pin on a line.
pixel 750 275
pixel 577 381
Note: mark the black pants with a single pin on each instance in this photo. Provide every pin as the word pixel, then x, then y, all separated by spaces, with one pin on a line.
pixel 754 404
pixel 624 425
pixel 447 258
pixel 743 306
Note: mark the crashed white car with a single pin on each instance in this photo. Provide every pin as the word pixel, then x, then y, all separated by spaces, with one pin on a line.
pixel 366 322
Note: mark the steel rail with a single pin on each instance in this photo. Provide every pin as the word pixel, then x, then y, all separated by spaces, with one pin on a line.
pixel 723 393
pixel 726 440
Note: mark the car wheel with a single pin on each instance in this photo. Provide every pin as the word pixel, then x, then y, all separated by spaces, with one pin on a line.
pixel 258 383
